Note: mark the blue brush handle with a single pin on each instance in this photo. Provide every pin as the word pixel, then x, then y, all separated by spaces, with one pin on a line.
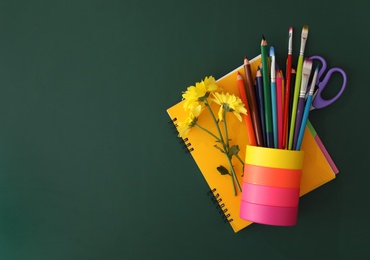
pixel 274 114
pixel 298 121
pixel 304 122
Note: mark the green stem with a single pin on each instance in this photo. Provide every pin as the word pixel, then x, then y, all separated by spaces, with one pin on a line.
pixel 237 181
pixel 214 119
pixel 226 147
pixel 233 176
pixel 205 130
pixel 226 132
pixel 240 160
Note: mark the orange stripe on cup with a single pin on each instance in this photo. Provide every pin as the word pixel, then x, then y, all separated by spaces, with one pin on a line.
pixel 277 177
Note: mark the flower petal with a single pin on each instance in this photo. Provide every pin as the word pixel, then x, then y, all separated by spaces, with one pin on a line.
pixel 237 116
pixel 220 113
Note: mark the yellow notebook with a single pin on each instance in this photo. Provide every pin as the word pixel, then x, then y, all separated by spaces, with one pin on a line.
pixel 316 168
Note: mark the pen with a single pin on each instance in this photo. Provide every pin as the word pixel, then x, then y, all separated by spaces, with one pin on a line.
pixel 287 87
pixel 273 97
pixel 266 93
pixel 247 117
pixel 307 110
pixel 297 86
pixel 306 71
pixel 251 94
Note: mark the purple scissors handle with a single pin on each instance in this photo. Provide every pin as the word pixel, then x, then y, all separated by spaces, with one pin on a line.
pixel 318 101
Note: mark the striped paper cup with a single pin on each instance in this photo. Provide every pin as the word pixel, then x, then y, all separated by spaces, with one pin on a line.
pixel 271 186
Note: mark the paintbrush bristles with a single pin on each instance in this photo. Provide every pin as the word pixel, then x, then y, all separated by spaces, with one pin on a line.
pixel 290 44
pixel 313 83
pixel 306 71
pixel 304 37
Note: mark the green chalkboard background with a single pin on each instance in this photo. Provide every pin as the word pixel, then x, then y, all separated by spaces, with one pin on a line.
pixel 89 165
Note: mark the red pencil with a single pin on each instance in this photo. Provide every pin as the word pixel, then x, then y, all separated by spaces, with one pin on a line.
pixel 287 87
pixel 279 108
pixel 247 117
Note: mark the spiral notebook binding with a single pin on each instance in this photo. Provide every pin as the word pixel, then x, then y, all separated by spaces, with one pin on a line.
pixel 185 143
pixel 221 207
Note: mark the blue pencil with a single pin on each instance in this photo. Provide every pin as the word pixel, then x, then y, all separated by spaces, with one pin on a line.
pixel 306 110
pixel 273 97
pixel 261 108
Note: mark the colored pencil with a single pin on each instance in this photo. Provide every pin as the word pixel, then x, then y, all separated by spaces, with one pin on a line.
pixel 261 108
pixel 304 36
pixel 292 76
pixel 279 108
pixel 306 71
pixel 306 110
pixel 251 94
pixel 266 94
pixel 287 86
pixel 273 97
pixel 247 117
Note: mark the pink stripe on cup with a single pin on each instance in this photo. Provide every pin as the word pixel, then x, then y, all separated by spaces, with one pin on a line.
pixel 270 196
pixel 269 215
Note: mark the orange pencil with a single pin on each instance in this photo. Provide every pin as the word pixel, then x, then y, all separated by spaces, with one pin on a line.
pixel 247 117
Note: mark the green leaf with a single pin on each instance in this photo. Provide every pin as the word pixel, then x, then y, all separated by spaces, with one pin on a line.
pixel 219 148
pixel 221 169
pixel 234 150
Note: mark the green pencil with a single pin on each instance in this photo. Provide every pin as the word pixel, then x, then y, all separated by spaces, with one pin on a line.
pixel 297 85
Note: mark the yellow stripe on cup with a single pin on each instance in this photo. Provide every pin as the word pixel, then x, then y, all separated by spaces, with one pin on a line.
pixel 277 158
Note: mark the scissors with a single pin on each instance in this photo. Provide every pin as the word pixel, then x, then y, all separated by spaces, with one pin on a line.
pixel 318 101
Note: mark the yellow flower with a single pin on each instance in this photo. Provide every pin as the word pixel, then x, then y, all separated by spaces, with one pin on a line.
pixel 184 127
pixel 229 103
pixel 195 94
pixel 210 84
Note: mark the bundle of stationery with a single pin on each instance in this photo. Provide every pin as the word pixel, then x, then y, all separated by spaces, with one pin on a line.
pixel 274 142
